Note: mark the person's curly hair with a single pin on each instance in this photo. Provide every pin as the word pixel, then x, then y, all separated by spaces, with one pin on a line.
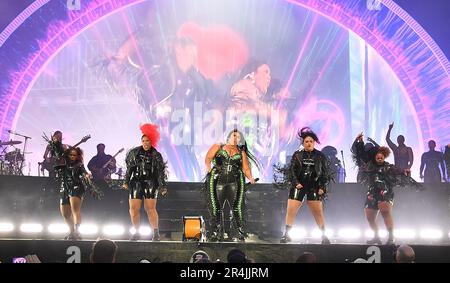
pixel 384 150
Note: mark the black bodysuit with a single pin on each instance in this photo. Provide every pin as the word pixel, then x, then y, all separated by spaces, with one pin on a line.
pixel 146 173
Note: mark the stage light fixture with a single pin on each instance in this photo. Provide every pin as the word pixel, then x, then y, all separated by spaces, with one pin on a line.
pixel 370 234
pixel 113 230
pixel 317 233
pixel 404 233
pixel 58 228
pixel 431 234
pixel 6 227
pixel 88 229
pixel 31 228
pixel 297 233
pixel 349 233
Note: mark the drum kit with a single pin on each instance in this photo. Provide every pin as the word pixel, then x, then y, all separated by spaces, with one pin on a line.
pixel 12 159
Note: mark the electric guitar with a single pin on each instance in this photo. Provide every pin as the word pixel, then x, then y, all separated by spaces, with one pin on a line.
pixel 104 172
pixel 52 161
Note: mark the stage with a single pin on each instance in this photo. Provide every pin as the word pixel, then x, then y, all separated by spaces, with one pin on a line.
pixel 422 219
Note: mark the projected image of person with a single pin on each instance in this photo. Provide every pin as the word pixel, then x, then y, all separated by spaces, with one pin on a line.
pixel 73 184
pixel 166 84
pixel 432 164
pixel 307 175
pixel 250 90
pixel 145 178
pixel 380 177
pixel 225 184
pixel 403 155
pixel 191 88
pixel 255 108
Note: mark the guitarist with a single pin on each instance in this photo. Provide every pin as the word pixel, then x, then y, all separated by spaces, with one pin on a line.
pixel 53 153
pixel 96 165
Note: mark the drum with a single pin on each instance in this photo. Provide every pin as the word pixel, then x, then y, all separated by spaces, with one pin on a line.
pixel 14 156
pixel 193 228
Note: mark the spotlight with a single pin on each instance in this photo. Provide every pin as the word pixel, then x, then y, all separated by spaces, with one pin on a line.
pixel 404 233
pixel 6 227
pixel 297 233
pixel 88 229
pixel 317 233
pixel 113 230
pixel 431 234
pixel 349 233
pixel 31 228
pixel 58 228
pixel 143 230
pixel 370 234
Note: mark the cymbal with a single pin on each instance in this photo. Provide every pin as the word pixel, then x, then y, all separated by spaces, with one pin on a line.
pixel 11 142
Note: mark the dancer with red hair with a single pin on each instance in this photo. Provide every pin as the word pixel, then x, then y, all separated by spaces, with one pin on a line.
pixel 144 178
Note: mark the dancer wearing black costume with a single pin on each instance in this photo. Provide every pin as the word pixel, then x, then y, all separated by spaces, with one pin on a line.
pixel 145 178
pixel 74 180
pixel 308 175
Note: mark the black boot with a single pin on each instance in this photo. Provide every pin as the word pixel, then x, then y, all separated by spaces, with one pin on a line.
pixel 135 237
pixel 240 237
pixel 286 238
pixel 156 237
pixel 217 234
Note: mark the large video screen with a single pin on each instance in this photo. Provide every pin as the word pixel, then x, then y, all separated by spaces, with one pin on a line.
pixel 199 69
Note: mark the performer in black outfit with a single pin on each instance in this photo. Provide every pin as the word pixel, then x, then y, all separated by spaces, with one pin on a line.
pixel 145 177
pixel 225 182
pixel 73 184
pixel 308 175
pixel 53 154
pixel 380 177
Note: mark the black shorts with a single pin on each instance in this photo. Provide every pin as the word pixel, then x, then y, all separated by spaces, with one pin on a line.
pixel 67 193
pixel 143 190
pixel 376 195
pixel 310 192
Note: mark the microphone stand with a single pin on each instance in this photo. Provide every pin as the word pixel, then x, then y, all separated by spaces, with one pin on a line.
pixel 24 148
pixel 343 164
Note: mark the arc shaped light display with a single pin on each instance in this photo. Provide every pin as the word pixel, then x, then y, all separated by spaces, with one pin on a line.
pixel 415 58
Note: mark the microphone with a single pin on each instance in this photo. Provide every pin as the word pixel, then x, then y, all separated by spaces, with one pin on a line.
pixel 256 180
